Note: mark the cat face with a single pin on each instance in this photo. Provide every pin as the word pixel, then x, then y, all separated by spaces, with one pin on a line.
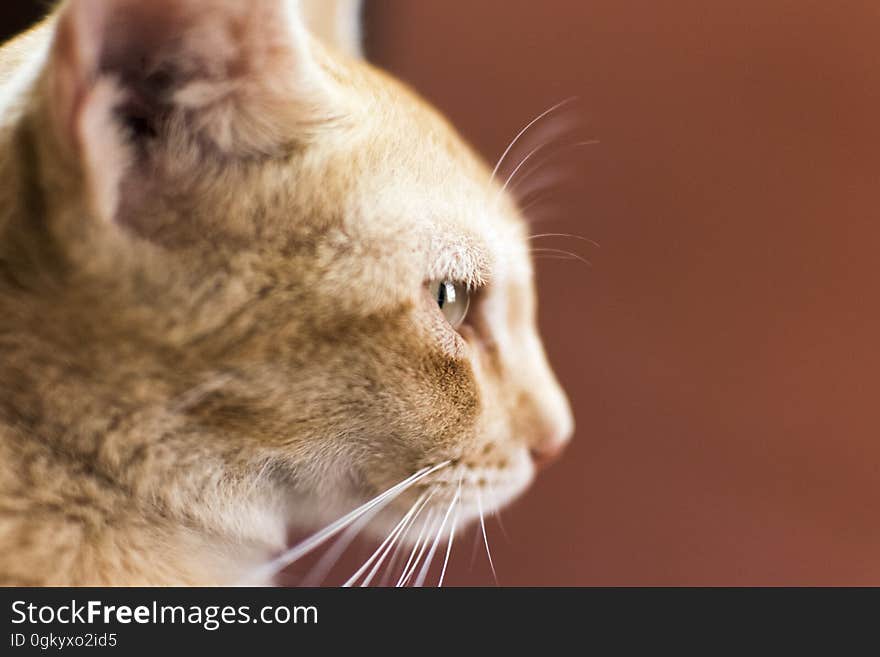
pixel 316 275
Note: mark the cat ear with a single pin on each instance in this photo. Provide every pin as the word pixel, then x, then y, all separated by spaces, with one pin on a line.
pixel 128 77
pixel 336 23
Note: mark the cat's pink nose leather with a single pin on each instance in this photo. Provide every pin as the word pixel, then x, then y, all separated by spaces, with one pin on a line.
pixel 549 447
pixel 544 456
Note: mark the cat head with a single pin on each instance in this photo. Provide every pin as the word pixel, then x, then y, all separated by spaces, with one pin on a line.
pixel 292 252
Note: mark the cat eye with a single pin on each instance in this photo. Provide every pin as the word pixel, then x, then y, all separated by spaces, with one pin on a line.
pixel 453 299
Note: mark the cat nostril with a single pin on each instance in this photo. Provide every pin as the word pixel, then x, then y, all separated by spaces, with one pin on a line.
pixel 546 453
pixel 549 447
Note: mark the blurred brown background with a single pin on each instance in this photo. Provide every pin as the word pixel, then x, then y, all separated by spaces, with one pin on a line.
pixel 721 352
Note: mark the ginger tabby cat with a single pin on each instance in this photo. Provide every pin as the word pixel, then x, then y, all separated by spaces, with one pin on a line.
pixel 247 283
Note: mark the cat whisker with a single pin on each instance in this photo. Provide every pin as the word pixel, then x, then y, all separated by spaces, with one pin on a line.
pixel 474 548
pixel 546 184
pixel 451 536
pixel 392 566
pixel 396 542
pixel 528 156
pixel 389 541
pixel 420 545
pixel 496 513
pixel 332 556
pixel 556 257
pixel 561 252
pixel 315 540
pixel 429 557
pixel 538 199
pixel 429 560
pixel 576 237
pixel 542 163
pixel 485 537
pixel 395 557
pixel 526 129
pixel 426 566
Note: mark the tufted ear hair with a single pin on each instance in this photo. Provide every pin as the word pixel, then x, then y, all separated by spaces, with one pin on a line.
pixel 128 78
pixel 336 23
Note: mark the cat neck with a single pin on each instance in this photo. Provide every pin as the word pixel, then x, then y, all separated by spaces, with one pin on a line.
pixel 81 529
pixel 127 437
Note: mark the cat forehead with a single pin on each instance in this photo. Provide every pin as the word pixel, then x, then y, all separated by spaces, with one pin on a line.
pixel 409 185
pixel 452 224
pixel 431 180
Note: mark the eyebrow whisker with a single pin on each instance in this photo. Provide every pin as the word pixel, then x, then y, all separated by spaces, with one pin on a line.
pixel 524 130
pixel 576 237
pixel 563 252
pixel 543 162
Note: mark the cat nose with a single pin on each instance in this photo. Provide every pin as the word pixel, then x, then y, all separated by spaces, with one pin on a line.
pixel 550 442
pixel 546 453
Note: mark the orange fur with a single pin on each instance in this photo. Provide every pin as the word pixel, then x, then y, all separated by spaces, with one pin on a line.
pixel 213 315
